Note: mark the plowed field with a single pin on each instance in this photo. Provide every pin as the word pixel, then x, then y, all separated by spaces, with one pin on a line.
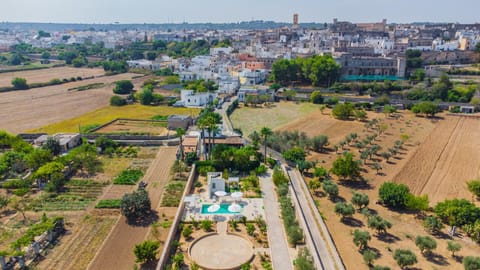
pixel 447 159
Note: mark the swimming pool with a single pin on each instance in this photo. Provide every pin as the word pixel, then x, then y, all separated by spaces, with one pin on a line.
pixel 223 209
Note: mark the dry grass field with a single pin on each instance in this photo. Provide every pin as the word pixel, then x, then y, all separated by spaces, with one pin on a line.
pixel 109 113
pixel 34 108
pixel 137 127
pixel 249 119
pixel 45 75
pixel 438 158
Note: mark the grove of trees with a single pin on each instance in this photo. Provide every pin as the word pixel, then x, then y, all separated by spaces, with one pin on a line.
pixel 316 70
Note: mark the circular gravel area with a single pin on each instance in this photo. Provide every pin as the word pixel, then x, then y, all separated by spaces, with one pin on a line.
pixel 221 251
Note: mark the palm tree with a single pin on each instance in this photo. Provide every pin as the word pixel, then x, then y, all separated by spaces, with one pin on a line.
pixel 180 133
pixel 265 132
pixel 201 123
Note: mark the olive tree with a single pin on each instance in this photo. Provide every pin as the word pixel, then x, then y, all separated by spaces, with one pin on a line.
pixel 404 257
pixel 425 243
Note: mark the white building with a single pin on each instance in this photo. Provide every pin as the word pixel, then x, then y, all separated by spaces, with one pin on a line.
pixel 188 98
pixel 144 64
pixel 243 92
pixel 224 50
pixel 442 45
pixel 228 84
pixel 215 183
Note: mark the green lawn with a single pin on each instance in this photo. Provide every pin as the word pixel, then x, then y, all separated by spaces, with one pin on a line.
pixel 249 119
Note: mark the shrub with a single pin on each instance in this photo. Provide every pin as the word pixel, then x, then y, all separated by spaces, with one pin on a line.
pixel 474 187
pixel 117 101
pixel 473 231
pixel 425 243
pixel 279 177
pixel 344 209
pixel 20 83
pixel 360 200
pixel 304 260
pixel 250 229
pixel 206 225
pixel 361 238
pixel 319 142
pixel 417 203
pixel 35 230
pixel 146 251
pixel 393 195
pixel 346 167
pixel 457 212
pixel 369 256
pixel 343 111
pixel 316 97
pixel 453 247
pixel 380 267
pixel 432 224
pixel 187 231
pixel 330 188
pixel 404 257
pixel 295 154
pixel 378 223
pixel 262 169
pixel 471 263
pixel 320 172
pixel 123 87
pixel 128 177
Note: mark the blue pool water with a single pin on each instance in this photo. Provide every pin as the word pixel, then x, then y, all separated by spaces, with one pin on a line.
pixel 223 209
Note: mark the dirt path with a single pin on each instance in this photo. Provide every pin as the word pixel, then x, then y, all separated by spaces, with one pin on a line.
pixel 117 251
pixel 443 164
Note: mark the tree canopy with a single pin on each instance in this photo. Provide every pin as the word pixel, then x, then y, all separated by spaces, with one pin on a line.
pixel 346 167
pixel 20 83
pixel 123 87
pixel 135 205
pixel 393 195
pixel 316 70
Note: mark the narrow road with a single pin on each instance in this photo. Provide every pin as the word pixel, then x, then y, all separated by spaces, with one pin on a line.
pixel 227 128
pixel 324 251
pixel 117 250
pixel 276 236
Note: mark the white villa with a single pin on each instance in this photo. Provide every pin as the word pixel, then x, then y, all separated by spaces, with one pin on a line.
pixel 188 98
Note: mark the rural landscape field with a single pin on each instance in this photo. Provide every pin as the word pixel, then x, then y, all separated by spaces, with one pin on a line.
pixel 438 158
pixel 285 135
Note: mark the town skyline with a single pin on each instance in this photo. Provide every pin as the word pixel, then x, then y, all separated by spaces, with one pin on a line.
pixel 215 11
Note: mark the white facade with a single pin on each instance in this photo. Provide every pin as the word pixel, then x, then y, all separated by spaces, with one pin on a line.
pixel 441 45
pixel 143 64
pixel 228 85
pixel 215 183
pixel 191 99
pixel 225 50
pixel 187 76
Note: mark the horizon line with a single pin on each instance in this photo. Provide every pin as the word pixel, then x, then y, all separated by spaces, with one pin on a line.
pixel 238 22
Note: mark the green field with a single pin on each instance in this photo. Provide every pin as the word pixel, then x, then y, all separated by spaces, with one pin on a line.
pixel 79 195
pixel 106 114
pixel 249 119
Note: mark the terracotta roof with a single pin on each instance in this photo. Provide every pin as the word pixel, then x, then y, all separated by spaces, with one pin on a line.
pixel 228 140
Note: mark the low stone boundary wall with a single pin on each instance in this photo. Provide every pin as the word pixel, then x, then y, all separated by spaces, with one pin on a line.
pixel 176 222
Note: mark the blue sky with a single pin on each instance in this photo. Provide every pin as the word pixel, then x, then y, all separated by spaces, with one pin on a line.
pixel 161 11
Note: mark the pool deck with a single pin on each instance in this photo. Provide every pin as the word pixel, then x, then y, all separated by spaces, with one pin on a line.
pixel 252 208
